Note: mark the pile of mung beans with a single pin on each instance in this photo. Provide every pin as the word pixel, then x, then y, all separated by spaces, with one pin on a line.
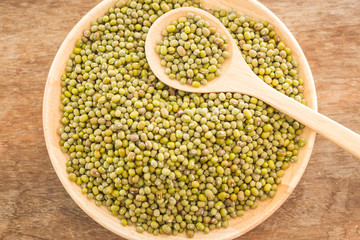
pixel 165 160
pixel 192 51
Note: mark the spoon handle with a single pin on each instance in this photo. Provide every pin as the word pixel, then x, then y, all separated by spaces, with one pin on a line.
pixel 337 133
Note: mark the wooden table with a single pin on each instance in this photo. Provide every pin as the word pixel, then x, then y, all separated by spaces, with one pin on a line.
pixel 33 203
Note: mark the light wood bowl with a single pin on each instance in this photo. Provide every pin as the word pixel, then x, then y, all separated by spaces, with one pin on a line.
pixel 239 225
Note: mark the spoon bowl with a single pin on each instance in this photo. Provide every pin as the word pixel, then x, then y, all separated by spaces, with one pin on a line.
pixel 153 58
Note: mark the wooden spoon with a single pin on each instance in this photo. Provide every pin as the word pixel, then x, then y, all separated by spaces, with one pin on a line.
pixel 236 76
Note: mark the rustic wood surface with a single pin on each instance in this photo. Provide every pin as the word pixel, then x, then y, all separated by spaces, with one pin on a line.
pixel 33 203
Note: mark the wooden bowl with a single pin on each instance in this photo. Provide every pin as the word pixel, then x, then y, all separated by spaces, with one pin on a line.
pixel 239 225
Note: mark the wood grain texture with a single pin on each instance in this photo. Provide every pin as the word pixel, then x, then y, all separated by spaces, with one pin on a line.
pixel 33 203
